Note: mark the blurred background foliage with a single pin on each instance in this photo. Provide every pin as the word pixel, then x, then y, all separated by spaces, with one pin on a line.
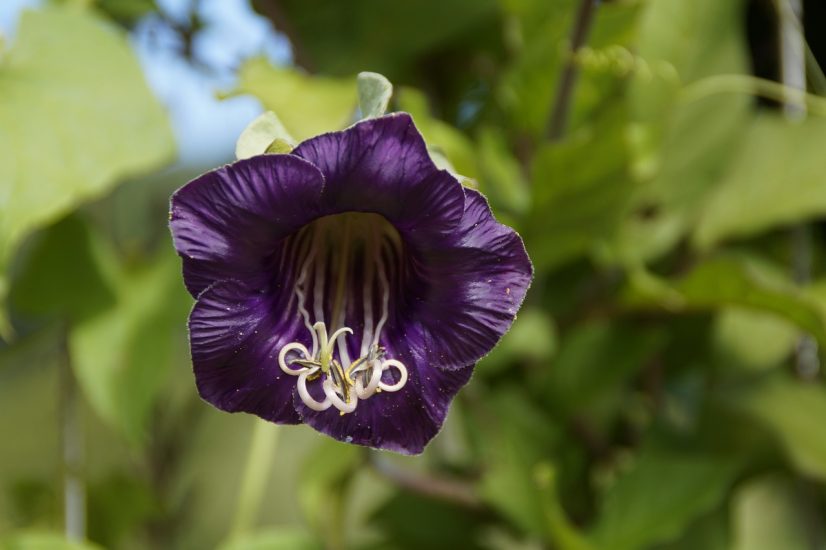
pixel 661 389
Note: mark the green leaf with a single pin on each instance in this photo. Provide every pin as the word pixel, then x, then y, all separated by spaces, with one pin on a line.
pixel 64 252
pixel 37 540
pixel 275 538
pixel 659 497
pixel 768 514
pixel 263 134
pixel 762 189
pixel 794 412
pixel 520 481
pixel 307 105
pixel 710 532
pixel 122 355
pixel 74 119
pixel 732 281
pixel 501 176
pixel 595 360
pixel 684 148
pixel 582 189
pixel 531 340
pixel 374 94
pixel 345 37
pixel 753 340
pixel 412 522
pixel 325 476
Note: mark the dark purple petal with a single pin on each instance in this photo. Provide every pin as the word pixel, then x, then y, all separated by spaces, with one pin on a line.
pixel 226 223
pixel 477 282
pixel 235 335
pixel 381 165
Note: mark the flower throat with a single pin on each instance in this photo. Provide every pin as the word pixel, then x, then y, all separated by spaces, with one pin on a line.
pixel 346 266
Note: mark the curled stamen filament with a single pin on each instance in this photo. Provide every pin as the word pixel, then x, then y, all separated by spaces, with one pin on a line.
pixel 282 356
pixel 375 378
pixel 308 399
pixel 402 375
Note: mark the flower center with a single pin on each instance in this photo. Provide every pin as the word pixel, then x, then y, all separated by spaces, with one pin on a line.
pixel 347 262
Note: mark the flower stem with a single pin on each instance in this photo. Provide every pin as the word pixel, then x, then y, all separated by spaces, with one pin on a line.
pixel 264 441
pixel 558 121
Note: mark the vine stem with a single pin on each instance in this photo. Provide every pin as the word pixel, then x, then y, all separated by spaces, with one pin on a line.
pixel 558 121
pixel 72 450
pixel 263 444
pixel 442 489
pixel 752 85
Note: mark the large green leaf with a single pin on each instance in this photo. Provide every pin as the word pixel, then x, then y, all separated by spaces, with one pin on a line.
pixel 762 188
pixel 122 355
pixel 659 497
pixel 307 105
pixel 75 116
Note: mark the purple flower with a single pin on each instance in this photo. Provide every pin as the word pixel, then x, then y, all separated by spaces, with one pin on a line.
pixel 350 285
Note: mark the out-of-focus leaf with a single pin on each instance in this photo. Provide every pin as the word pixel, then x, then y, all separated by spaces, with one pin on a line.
pixel 347 37
pixel 41 540
pixel 60 278
pixel 501 175
pixel 520 481
pixel 540 34
pixel 439 135
pixel 126 12
pixel 531 340
pixel 75 116
pixel 595 360
pixel 261 135
pixel 526 90
pixel 794 412
pixel 307 105
pixel 751 339
pixel 767 515
pixel 710 532
pixel 412 522
pixel 325 476
pixel 733 281
pixel 659 497
pixel 118 506
pixel 522 442
pixel 686 147
pixel 122 356
pixel 762 188
pixel 581 192
pixel 281 538
pixel 374 94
